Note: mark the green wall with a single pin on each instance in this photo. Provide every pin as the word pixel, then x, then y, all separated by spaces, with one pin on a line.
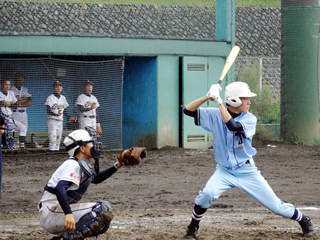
pixel 168 101
pixel 300 61
pixel 51 45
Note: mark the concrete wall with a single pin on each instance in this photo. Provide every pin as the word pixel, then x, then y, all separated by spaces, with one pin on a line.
pixel 257 30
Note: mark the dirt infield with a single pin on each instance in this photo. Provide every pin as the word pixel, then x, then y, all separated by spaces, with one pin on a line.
pixel 155 199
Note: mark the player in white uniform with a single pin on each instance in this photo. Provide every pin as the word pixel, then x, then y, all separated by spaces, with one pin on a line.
pixel 87 105
pixel 23 100
pixel 232 129
pixel 59 209
pixel 56 104
pixel 8 101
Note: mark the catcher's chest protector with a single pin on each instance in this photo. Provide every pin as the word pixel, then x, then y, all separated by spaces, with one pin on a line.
pixel 74 196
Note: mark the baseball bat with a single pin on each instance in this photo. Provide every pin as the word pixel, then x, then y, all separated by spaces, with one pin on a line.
pixel 230 60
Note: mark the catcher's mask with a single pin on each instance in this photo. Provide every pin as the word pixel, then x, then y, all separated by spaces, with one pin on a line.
pixel 76 139
pixel 97 147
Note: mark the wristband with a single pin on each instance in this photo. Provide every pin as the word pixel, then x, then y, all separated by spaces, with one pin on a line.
pixel 117 165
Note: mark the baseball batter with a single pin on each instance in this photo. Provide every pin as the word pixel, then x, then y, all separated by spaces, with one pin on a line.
pixel 23 100
pixel 56 104
pixel 232 129
pixel 8 101
pixel 88 105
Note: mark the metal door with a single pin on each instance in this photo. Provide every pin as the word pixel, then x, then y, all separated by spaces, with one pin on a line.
pixel 194 85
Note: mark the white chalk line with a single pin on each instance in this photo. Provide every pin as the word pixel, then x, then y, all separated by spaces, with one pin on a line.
pixel 309 208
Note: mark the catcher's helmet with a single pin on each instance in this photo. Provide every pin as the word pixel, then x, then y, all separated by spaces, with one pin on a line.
pixel 76 139
pixel 234 91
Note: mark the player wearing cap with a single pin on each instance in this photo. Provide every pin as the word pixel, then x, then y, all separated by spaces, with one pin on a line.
pixel 232 129
pixel 88 105
pixel 23 100
pixel 7 102
pixel 59 208
pixel 56 104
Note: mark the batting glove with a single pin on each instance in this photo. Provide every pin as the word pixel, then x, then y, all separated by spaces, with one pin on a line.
pixel 214 94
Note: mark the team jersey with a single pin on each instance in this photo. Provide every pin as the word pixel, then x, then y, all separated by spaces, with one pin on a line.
pixel 9 97
pixel 231 149
pixel 56 104
pixel 69 171
pixel 22 94
pixel 87 101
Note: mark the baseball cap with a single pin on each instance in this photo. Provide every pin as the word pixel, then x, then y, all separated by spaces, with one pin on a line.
pixel 88 82
pixel 57 83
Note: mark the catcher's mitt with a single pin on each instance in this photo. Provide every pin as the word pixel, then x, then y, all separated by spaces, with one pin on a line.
pixel 132 156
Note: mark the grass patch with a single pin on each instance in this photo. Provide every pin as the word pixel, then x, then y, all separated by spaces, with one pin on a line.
pixel 265 106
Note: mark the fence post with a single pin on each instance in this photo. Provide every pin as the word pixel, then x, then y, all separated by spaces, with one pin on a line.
pixel 0 162
pixel 261 72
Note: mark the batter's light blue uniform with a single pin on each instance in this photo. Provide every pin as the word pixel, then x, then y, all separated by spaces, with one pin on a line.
pixel 233 152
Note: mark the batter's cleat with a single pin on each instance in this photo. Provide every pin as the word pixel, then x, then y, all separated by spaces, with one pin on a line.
pixel 191 232
pixel 307 227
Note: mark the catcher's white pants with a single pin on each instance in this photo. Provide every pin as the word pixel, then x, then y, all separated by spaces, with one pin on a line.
pixel 87 122
pixel 18 126
pixel 54 133
pixel 21 117
pixel 52 215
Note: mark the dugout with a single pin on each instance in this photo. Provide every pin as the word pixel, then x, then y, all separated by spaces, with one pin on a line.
pixel 149 79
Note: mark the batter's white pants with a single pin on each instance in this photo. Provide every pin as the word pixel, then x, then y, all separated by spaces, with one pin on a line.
pixel 52 215
pixel 55 128
pixel 21 117
pixel 17 126
pixel 248 179
pixel 87 122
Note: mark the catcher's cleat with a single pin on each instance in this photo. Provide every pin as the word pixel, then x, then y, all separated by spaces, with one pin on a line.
pixel 56 238
pixel 16 147
pixel 307 228
pixel 191 232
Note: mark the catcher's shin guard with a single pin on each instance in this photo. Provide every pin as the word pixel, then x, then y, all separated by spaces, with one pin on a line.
pixel 93 223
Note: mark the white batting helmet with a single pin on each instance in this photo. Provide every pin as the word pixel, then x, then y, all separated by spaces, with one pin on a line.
pixel 234 91
pixel 76 139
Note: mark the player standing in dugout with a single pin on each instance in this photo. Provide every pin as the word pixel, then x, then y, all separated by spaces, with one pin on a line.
pixel 56 105
pixel 88 105
pixel 24 100
pixel 7 102
pixel 232 129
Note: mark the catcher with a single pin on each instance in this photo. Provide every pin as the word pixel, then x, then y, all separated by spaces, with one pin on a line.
pixel 59 208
